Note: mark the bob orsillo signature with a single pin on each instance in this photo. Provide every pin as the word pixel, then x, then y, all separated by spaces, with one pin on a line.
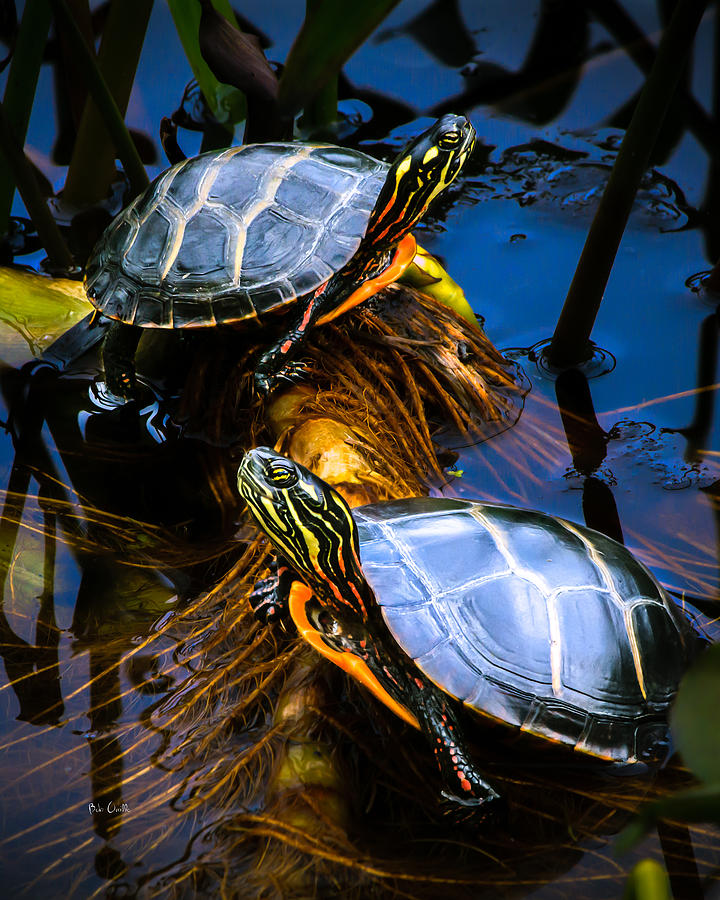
pixel 108 808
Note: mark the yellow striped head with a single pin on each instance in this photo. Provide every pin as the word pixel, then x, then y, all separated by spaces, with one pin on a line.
pixel 423 170
pixel 310 526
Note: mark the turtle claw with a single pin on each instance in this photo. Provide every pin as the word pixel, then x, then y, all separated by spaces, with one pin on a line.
pixel 263 384
pixel 490 811
pixel 264 601
pixel 294 372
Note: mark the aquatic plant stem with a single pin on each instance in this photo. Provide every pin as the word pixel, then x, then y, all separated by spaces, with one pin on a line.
pixel 329 36
pixel 570 344
pixel 26 182
pixel 321 110
pixel 103 131
pixel 227 106
pixel 20 89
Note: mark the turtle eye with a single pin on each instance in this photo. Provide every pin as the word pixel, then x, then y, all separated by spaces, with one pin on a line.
pixel 281 475
pixel 449 139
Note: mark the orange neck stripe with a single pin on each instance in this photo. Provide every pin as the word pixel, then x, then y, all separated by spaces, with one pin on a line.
pixel 404 255
pixel 299 595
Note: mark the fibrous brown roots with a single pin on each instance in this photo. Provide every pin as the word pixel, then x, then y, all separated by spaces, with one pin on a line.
pixel 401 375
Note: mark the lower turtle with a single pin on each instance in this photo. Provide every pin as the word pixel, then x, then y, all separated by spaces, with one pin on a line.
pixel 439 603
pixel 232 236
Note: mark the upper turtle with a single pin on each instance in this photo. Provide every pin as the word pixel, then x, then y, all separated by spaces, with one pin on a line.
pixel 230 234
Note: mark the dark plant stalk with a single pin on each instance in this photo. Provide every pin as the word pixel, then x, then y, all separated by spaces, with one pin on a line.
pixel 236 58
pixel 571 341
pixel 186 15
pixel 321 110
pixel 74 85
pixel 327 39
pixel 20 89
pixel 24 178
pixel 109 78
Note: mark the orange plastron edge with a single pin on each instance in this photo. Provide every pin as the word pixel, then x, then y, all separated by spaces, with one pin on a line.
pixel 299 595
pixel 404 255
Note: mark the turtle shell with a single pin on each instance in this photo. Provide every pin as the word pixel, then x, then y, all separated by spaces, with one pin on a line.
pixel 230 235
pixel 535 621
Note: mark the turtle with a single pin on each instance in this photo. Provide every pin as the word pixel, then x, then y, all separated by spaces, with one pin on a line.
pixel 230 236
pixel 440 605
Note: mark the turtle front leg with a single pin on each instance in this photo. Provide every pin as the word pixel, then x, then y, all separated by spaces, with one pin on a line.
pixel 269 597
pixel 276 364
pixel 463 782
pixel 118 355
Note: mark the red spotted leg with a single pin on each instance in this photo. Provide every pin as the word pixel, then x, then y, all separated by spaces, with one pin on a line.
pixel 373 659
pixel 348 288
pixel 462 781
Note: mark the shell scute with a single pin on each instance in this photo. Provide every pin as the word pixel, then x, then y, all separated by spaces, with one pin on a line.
pixel 542 551
pixel 627 581
pixel 298 195
pixel 180 184
pixel 498 700
pixel 148 245
pixel 235 185
pixel 328 178
pixel 417 628
pixel 596 655
pixel 202 259
pixel 120 299
pixel 152 311
pixel 418 536
pixel 234 307
pixel 485 624
pixel 345 224
pixel 461 679
pixel 655 628
pixel 556 721
pixel 271 243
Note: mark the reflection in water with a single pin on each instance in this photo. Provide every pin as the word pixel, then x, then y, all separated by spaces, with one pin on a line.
pixel 697 433
pixel 587 443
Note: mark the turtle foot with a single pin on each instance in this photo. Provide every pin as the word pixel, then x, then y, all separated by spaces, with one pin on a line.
pixel 293 373
pixel 491 811
pixel 266 605
pixel 118 355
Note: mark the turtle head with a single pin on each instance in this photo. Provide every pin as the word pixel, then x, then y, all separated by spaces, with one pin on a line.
pixel 310 525
pixel 424 168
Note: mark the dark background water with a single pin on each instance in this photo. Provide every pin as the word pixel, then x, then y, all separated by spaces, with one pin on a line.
pixel 511 237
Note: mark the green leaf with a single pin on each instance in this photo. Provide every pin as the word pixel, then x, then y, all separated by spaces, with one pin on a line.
pixel 648 881
pixel 693 717
pixel 226 104
pixel 329 36
pixel 34 311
